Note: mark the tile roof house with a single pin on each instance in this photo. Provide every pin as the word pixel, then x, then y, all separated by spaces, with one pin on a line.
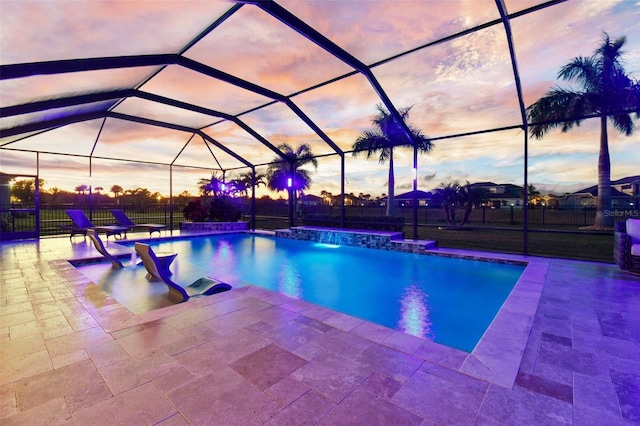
pixel 500 195
pixel 625 193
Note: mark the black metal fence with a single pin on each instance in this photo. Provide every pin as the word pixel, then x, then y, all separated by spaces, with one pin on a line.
pixel 18 219
pixel 275 214
pixel 509 216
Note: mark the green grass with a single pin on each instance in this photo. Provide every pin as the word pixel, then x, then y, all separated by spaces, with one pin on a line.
pixel 582 246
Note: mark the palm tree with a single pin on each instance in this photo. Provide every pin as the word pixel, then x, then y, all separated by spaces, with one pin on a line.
pixel 386 135
pixel 279 172
pixel 606 91
pixel 245 181
pixel 448 196
pixel 212 185
pixel 470 197
pixel 116 190
pixel 326 196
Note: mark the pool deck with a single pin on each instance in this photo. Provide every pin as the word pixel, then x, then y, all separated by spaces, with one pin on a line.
pixel 564 349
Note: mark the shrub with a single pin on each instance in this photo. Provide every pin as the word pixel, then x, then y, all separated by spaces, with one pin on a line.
pixel 5 219
pixel 195 211
pixel 222 210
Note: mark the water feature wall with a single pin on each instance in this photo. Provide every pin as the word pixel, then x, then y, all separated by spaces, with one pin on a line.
pixel 384 240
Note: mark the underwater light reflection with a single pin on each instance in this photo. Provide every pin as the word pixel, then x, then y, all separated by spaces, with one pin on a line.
pixel 289 281
pixel 414 313
pixel 325 245
pixel 224 255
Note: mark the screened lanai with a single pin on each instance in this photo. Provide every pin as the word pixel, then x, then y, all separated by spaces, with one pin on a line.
pixel 160 94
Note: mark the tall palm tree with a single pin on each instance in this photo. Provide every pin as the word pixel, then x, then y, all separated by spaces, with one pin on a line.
pixel 605 90
pixel 212 185
pixel 279 172
pixel 116 190
pixel 245 181
pixel 381 140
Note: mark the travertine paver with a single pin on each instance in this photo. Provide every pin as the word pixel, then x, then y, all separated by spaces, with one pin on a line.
pixel 563 350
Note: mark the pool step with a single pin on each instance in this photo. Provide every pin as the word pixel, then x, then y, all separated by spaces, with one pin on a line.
pixel 413 246
pixel 262 232
pixel 283 233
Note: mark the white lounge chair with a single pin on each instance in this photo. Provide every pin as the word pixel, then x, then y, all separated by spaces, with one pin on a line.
pixel 177 293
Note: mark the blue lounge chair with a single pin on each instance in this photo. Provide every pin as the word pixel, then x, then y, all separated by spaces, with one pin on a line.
pixel 81 224
pixel 177 293
pixel 124 220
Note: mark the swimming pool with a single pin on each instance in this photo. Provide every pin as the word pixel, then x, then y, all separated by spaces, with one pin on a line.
pixel 451 301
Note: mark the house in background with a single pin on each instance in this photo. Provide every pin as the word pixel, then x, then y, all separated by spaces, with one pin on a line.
pixel 629 186
pixel 625 193
pixel 311 200
pixel 424 198
pixel 500 195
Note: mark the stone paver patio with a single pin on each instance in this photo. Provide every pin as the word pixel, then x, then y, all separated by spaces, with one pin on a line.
pixel 564 349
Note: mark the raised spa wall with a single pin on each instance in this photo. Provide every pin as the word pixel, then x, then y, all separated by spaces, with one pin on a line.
pixel 384 240
pixel 214 226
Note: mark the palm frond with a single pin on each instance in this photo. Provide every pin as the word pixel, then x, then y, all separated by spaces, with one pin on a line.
pixel 581 70
pixel 558 108
pixel 372 142
pixel 623 123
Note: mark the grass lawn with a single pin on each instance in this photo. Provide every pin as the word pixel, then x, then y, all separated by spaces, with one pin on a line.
pixel 583 246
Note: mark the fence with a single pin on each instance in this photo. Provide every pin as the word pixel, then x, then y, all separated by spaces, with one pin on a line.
pixel 553 232
pixel 17 218
pixel 21 218
pixel 509 216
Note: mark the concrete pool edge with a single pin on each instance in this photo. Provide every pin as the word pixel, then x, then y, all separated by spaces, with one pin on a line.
pixel 498 355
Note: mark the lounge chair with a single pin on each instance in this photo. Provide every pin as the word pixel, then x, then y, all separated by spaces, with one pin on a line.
pixel 97 243
pixel 626 249
pixel 124 220
pixel 177 293
pixel 81 224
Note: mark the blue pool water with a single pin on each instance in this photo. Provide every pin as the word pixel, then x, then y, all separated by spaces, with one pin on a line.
pixel 448 300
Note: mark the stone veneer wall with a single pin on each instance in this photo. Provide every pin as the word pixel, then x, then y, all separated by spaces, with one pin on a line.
pixel 214 226
pixel 359 238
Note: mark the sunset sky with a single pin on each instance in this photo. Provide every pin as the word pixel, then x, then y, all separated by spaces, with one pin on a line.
pixel 458 86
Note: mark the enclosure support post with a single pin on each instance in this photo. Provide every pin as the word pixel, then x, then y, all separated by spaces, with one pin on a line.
pixel 342 207
pixel 292 190
pixel 171 197
pixel 502 9
pixel 37 195
pixel 415 191
pixel 252 225
pixel 90 191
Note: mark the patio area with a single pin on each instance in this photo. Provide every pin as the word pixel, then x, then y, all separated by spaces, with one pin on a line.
pixel 71 354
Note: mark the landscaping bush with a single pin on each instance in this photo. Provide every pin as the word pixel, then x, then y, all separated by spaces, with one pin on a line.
pixel 195 211
pixel 222 210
